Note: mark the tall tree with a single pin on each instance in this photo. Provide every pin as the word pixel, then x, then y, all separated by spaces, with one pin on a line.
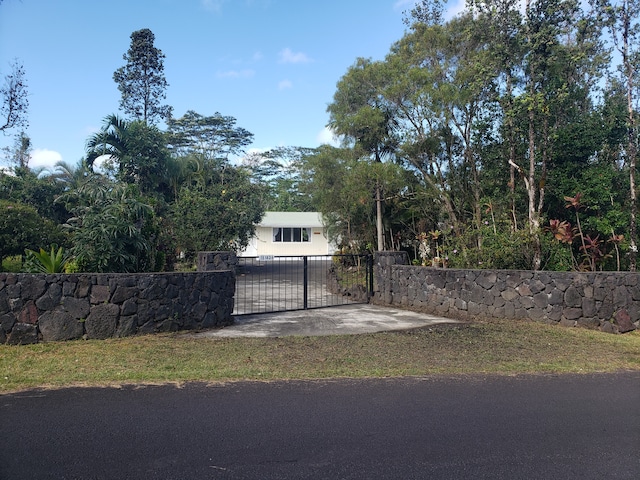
pixel 360 113
pixel 501 29
pixel 109 142
pixel 214 137
pixel 439 81
pixel 20 153
pixel 342 183
pixel 141 81
pixel 218 212
pixel 15 99
pixel 551 69
pixel 623 19
pixel 280 170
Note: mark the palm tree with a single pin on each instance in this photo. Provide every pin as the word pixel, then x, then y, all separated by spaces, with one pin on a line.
pixel 71 176
pixel 137 151
pixel 184 171
pixel 111 140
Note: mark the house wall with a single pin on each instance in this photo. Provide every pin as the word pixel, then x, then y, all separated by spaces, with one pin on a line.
pixel 609 301
pixel 265 245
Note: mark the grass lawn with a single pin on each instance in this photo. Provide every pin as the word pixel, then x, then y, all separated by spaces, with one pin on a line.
pixel 482 347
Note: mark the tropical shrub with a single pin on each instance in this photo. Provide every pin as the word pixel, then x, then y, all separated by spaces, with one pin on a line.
pixel 113 230
pixel 42 261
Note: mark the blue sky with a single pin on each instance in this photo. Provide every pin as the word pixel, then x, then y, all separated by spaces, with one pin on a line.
pixel 271 64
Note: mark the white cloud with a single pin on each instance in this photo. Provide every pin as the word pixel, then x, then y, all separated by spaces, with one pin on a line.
pixel 98 163
pixel 285 85
pixel 43 158
pixel 327 137
pixel 247 73
pixel 289 56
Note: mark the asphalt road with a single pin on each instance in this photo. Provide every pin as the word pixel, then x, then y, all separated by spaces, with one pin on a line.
pixel 467 427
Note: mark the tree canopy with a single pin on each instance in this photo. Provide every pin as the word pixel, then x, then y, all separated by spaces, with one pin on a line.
pixel 15 99
pixel 504 137
pixel 141 80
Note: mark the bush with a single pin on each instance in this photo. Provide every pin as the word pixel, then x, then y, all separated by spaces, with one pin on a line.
pixel 22 227
pixel 12 264
pixel 501 250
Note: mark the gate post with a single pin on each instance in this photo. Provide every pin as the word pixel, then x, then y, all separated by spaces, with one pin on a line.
pixel 213 261
pixel 383 267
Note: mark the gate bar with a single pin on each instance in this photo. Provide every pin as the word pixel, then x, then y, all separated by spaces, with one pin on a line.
pixel 305 288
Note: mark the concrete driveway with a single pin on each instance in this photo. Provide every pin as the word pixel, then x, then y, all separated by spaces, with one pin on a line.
pixel 340 320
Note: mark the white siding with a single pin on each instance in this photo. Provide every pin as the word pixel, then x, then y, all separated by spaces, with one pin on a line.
pixel 263 243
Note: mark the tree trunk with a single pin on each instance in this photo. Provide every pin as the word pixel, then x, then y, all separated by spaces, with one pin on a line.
pixel 379 218
pixel 512 154
pixel 632 152
pixel 534 220
pixel 631 145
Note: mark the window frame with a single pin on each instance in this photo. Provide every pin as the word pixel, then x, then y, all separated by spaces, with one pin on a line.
pixel 291 235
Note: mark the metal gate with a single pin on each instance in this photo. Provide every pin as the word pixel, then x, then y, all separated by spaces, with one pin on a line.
pixel 280 283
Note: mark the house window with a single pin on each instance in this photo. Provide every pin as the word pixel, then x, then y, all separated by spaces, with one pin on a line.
pixel 287 234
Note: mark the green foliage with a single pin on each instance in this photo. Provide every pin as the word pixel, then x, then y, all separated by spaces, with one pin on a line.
pixel 500 249
pixel 503 249
pixel 218 213
pixel 557 256
pixel 485 123
pixel 342 185
pixel 113 230
pixel 21 227
pixel 210 138
pixel 136 154
pixel 34 188
pixel 42 261
pixel 141 81
pixel 360 113
pixel 15 99
pixel 588 252
pixel 144 163
pixel 12 264
pixel 198 200
pixel 281 172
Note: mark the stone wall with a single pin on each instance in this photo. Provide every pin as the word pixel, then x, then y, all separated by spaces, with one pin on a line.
pixel 213 261
pixel 44 308
pixel 609 301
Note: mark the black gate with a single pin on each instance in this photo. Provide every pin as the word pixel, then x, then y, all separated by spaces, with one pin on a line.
pixel 279 283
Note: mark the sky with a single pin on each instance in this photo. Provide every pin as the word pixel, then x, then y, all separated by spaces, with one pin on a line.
pixel 273 65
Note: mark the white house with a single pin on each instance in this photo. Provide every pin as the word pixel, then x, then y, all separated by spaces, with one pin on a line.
pixel 289 233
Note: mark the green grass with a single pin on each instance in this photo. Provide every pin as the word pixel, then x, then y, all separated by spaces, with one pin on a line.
pixel 493 347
